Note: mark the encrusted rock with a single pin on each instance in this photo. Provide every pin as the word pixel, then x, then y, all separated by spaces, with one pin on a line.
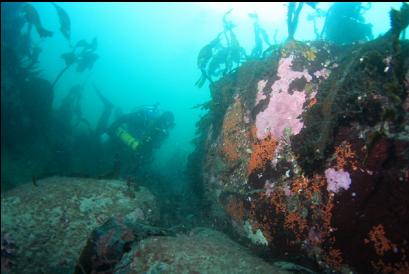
pixel 51 220
pixel 202 251
pixel 327 174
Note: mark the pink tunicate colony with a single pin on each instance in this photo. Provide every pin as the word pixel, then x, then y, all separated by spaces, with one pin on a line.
pixel 283 109
pixel 323 73
pixel 337 180
pixel 281 113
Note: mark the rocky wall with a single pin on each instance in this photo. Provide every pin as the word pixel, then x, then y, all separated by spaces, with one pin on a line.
pixel 307 153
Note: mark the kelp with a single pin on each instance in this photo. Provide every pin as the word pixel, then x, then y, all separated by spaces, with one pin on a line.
pixel 65 22
pixel 260 36
pixel 82 54
pixel 217 59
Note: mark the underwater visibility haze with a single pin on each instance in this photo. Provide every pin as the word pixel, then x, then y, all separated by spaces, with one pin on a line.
pixel 188 137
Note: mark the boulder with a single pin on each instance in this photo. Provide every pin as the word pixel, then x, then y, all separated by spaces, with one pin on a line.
pixel 306 152
pixel 51 219
pixel 201 251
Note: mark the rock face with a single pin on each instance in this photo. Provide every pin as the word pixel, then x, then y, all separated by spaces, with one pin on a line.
pixel 50 223
pixel 306 152
pixel 202 251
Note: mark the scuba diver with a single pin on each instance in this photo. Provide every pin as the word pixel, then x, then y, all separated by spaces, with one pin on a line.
pixel 345 24
pixel 140 131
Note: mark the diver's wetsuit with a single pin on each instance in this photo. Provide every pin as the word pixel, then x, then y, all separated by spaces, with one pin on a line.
pixel 143 129
pixel 129 128
pixel 144 126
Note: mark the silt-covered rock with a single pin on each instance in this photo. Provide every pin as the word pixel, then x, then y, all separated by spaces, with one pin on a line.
pixel 50 221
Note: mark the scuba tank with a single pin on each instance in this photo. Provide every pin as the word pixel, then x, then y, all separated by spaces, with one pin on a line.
pixel 127 138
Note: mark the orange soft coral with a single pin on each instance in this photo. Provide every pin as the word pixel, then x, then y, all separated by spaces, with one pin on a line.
pixel 232 125
pixel 334 259
pixel 235 208
pixel 381 243
pixel 327 215
pixel 299 184
pixel 295 223
pixel 345 155
pixel 262 152
pixel 307 187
